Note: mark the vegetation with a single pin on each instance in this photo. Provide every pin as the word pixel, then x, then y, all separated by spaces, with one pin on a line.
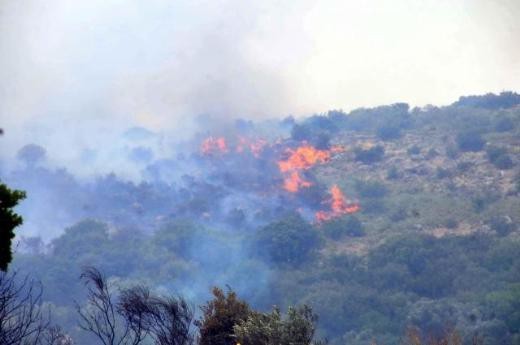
pixel 431 256
pixel 9 220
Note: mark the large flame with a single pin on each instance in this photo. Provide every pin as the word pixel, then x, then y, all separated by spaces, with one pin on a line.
pixel 294 182
pixel 339 205
pixel 304 157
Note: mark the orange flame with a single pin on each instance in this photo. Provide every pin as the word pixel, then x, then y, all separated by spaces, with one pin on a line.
pixel 294 182
pixel 339 206
pixel 213 145
pixel 304 157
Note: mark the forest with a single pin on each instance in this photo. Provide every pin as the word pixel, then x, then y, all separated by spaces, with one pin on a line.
pixel 384 225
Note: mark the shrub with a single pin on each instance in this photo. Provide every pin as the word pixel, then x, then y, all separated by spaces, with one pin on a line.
pixel 503 162
pixel 393 173
pixel 399 215
pixel 371 189
pixel 493 152
pixel 372 155
pixel 504 124
pixel 452 151
pixel 432 153
pixel 290 240
pixel 470 141
pixel 414 150
pixel 502 225
pixel 464 166
pixel 301 133
pixel 339 228
pixel 389 132
pixel 451 223
pixel 442 173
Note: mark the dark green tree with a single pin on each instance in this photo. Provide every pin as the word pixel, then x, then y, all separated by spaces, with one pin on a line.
pixel 290 240
pixel 9 220
pixel 219 316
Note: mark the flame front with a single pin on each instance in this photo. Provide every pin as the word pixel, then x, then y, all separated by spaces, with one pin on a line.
pixel 303 158
pixel 294 182
pixel 339 206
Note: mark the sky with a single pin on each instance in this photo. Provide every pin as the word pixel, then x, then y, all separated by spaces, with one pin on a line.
pixel 72 72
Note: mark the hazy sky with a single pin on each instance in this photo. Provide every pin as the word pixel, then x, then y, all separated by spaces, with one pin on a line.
pixel 73 64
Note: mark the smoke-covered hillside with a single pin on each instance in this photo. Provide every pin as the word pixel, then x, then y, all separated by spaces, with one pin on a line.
pixel 379 218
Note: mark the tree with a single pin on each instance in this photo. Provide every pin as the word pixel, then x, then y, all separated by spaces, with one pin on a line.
pixel 21 318
pixel 369 156
pixel 133 316
pixel 470 141
pixel 31 154
pixel 290 240
pixel 101 316
pixel 296 328
pixel 389 132
pixel 9 220
pixel 219 317
pixel 168 320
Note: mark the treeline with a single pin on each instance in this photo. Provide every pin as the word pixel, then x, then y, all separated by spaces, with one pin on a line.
pixel 413 280
pixel 136 315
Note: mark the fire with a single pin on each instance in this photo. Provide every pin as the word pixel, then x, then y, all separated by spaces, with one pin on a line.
pixel 339 205
pixel 213 145
pixel 303 158
pixel 294 182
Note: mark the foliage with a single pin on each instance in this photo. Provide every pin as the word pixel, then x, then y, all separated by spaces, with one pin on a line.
pixel 341 227
pixel 503 162
pixel 290 240
pixel 133 316
pixel 470 141
pixel 371 189
pixel 388 132
pixel 505 99
pixel 9 220
pixel 296 328
pixel 371 155
pixel 219 317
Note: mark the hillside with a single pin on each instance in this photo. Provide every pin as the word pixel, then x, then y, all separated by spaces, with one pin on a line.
pixel 378 218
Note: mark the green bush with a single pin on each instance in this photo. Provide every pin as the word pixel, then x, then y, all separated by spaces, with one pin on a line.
pixel 371 189
pixel 340 228
pixel 389 132
pixel 504 124
pixel 290 240
pixel 393 173
pixel 470 141
pixel 372 155
pixel 414 150
pixel 503 162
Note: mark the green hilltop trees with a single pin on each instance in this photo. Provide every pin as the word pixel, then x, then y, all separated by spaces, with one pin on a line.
pixel 9 220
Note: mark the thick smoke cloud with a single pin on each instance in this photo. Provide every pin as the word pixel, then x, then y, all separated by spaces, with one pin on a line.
pixel 76 73
pixel 75 76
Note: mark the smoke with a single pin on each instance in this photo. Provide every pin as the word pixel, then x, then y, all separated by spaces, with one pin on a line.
pixel 76 74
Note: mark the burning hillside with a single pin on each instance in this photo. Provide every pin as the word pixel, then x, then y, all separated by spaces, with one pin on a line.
pixel 302 158
pixel 339 206
pixel 293 169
